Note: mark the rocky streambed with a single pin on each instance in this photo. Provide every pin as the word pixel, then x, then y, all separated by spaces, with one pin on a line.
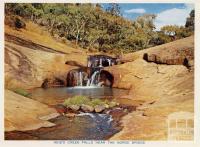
pixel 81 118
pixel 78 126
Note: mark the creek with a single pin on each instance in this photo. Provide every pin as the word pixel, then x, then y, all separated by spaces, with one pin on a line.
pixel 93 83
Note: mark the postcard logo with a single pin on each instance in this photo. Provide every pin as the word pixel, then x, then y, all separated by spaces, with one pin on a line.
pixel 180 126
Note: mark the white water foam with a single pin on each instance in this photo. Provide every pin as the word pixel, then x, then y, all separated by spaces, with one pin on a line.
pixel 84 87
pixel 110 119
pixel 87 114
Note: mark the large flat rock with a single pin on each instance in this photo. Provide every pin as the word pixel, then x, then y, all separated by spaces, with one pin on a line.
pixel 22 113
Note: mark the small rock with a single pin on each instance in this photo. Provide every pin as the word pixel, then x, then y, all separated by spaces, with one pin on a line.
pixel 74 107
pixel 125 110
pixel 106 106
pixel 99 108
pixel 112 104
pixel 70 114
pixel 87 108
pixel 117 113
pixel 61 108
pixel 50 116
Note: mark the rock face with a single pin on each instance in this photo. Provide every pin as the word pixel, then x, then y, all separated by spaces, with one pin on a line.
pixel 106 78
pixel 15 21
pixel 22 113
pixel 54 82
pixel 163 88
pixel 19 23
pixel 182 59
pixel 32 59
pixel 61 108
pixel 179 49
pixel 99 108
pixel 74 107
pixel 73 78
pixel 74 63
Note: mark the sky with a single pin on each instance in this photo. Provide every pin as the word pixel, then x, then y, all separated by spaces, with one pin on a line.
pixel 166 13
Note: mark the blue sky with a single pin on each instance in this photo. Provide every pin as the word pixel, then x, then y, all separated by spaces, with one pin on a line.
pixel 167 13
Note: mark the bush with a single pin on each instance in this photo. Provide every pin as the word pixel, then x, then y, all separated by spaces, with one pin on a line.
pixel 15 21
pixel 19 23
pixel 22 92
pixel 79 100
pixel 76 100
pixel 95 102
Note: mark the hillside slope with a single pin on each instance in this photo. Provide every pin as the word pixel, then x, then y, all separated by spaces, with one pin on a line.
pixel 32 55
pixel 173 50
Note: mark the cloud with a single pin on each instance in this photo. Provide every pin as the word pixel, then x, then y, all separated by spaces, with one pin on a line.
pixel 138 11
pixel 174 16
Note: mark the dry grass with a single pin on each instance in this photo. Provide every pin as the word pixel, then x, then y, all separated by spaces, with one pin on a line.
pixel 41 36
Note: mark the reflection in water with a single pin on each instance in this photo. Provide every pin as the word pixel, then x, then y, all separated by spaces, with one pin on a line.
pixel 57 95
pixel 83 127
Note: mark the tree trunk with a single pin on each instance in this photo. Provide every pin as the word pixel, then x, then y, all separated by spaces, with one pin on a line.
pixel 77 37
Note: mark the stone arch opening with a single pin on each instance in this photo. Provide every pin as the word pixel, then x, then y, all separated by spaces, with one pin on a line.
pixel 53 82
pixel 106 78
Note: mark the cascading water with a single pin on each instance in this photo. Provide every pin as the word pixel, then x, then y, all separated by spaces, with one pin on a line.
pixel 77 77
pixel 100 62
pixel 92 76
pixel 81 78
pixel 109 62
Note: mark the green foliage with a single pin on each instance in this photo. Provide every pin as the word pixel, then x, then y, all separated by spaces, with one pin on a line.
pixel 22 92
pixel 79 100
pixel 172 32
pixel 95 102
pixel 190 21
pixel 91 27
pixel 76 100
pixel 112 104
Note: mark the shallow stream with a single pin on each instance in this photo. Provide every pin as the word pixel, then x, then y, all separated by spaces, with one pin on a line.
pixel 84 126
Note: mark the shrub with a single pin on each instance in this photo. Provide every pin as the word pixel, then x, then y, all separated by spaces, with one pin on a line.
pixel 19 23
pixel 79 100
pixel 76 100
pixel 22 92
pixel 112 104
pixel 95 102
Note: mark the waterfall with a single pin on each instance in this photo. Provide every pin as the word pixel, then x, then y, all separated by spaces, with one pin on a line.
pixel 92 74
pixel 92 83
pixel 77 78
pixel 88 82
pixel 109 62
pixel 81 78
pixel 89 64
pixel 100 63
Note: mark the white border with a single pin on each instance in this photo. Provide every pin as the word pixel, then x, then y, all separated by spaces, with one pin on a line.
pixel 147 143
